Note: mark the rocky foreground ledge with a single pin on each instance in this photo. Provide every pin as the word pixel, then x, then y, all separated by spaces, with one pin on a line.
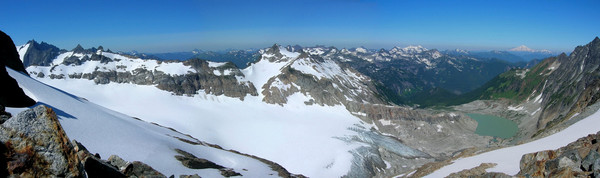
pixel 580 158
pixel 33 144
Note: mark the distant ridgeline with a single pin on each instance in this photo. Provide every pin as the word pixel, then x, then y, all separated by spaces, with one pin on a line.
pixel 405 76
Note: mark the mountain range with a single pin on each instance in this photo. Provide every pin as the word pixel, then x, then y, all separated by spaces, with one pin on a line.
pixel 291 102
pixel 518 54
pixel 401 75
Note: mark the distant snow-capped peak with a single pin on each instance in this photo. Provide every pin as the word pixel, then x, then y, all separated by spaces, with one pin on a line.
pixel 409 49
pixel 524 48
pixel 361 50
pixel 461 51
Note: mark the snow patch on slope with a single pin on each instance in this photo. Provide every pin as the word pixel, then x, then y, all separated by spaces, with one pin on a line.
pixel 22 50
pixel 287 53
pixel 515 108
pixel 326 69
pixel 215 64
pixel 259 73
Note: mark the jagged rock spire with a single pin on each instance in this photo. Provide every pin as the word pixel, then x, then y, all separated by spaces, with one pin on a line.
pixel 78 49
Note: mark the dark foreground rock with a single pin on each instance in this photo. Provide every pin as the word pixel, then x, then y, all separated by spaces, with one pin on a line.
pixel 33 144
pixel 12 95
pixel 578 159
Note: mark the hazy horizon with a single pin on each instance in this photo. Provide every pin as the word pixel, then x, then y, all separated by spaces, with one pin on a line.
pixel 158 26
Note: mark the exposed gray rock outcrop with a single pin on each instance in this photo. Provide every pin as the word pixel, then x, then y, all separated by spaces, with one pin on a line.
pixel 193 162
pixel 35 145
pixel 578 159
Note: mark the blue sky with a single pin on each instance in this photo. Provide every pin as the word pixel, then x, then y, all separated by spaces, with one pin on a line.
pixel 167 26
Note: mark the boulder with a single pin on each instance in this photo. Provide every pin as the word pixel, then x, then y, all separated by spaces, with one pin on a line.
pixel 37 145
pixel 191 161
pixel 139 169
pixel 118 162
pixel 95 167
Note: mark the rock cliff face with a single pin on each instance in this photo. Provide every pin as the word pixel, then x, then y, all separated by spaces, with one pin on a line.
pixel 220 79
pixel 572 86
pixel 40 54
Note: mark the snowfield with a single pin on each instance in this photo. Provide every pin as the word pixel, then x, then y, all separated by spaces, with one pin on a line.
pixel 508 159
pixel 303 139
pixel 107 132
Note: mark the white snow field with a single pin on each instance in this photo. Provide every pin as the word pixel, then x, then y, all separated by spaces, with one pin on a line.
pixel 108 132
pixel 508 159
pixel 304 139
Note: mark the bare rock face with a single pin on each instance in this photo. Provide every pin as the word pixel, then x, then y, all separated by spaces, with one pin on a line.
pixel 578 159
pixel 193 162
pixel 33 144
pixel 37 146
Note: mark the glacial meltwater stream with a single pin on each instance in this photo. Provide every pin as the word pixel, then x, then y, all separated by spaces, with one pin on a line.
pixel 489 125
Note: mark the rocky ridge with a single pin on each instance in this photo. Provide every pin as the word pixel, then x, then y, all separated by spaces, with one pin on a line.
pixel 416 70
pixel 104 67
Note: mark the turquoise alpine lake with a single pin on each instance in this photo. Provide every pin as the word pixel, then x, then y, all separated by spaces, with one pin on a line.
pixel 489 125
